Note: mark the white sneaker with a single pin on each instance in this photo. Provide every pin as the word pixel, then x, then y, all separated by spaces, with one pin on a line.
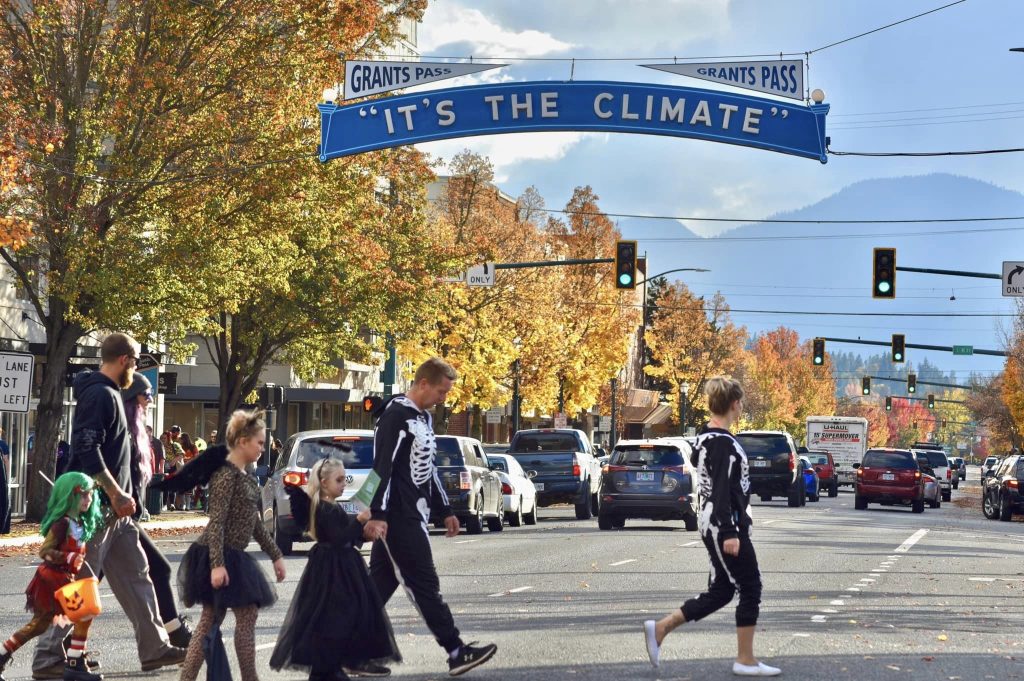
pixel 759 669
pixel 653 649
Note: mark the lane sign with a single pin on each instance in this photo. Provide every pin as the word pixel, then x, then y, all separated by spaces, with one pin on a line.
pixel 15 381
pixel 1013 278
pixel 481 275
pixel 364 78
pixel 782 77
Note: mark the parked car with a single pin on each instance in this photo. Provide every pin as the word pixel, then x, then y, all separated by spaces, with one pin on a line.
pixel 565 467
pixel 647 479
pixel 517 488
pixel 774 470
pixel 932 488
pixel 889 476
pixel 989 465
pixel 938 461
pixel 1001 489
pixel 812 484
pixel 473 489
pixel 300 452
pixel 826 468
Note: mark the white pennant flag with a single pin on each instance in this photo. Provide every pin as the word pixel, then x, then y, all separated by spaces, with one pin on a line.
pixel 364 78
pixel 782 77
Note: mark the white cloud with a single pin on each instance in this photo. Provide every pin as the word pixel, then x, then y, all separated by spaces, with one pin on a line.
pixel 446 23
pixel 505 151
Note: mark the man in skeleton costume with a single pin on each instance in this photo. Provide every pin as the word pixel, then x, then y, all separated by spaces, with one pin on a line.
pixel 403 457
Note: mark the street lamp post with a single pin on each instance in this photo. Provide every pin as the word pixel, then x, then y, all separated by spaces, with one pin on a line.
pixel 515 396
pixel 683 394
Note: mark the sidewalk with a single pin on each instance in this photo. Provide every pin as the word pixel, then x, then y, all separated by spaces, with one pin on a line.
pixel 24 534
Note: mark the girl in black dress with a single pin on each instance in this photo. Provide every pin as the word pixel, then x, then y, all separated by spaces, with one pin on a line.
pixel 336 620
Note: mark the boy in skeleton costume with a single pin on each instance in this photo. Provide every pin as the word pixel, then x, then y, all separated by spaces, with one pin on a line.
pixel 403 457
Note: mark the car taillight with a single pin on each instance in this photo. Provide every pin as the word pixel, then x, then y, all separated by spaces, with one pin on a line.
pixel 792 461
pixel 296 479
pixel 575 466
pixel 1013 484
pixel 949 474
pixel 860 472
pixel 608 468
pixel 506 488
pixel 917 475
pixel 465 480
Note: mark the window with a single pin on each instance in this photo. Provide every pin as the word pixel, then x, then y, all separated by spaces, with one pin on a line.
pixel 312 450
pixel 448 452
pixel 496 464
pixel 545 442
pixel 647 456
pixel 1006 466
pixel 282 461
pixel 898 460
pixel 935 458
pixel 818 459
pixel 771 445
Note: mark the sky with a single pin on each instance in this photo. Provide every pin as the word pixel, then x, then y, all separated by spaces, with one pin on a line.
pixel 946 81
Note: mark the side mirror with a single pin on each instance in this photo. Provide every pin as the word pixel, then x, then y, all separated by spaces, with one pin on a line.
pixel 531 474
pixel 856 465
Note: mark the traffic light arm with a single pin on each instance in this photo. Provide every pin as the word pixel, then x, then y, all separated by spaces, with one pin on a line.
pixel 950 273
pixel 914 346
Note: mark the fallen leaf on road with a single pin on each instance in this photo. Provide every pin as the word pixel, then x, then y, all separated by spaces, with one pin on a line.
pixel 928 659
pixel 943 637
pixel 853 621
pixel 812 598
pixel 584 585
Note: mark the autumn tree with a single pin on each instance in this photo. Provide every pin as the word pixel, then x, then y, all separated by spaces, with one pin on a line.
pixel 128 111
pixel 909 422
pixel 878 419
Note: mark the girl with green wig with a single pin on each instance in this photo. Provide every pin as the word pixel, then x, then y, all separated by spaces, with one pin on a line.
pixel 72 517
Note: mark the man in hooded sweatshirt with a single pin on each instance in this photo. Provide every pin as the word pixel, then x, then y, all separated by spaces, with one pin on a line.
pixel 100 448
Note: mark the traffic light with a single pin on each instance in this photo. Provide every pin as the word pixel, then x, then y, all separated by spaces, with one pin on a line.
pixel 819 351
pixel 899 347
pixel 888 404
pixel 911 383
pixel 625 265
pixel 883 281
pixel 943 423
pixel 931 401
pixel 865 385
pixel 371 403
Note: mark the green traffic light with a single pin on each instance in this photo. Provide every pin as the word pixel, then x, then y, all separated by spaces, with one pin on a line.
pixel 884 287
pixel 625 279
pixel 818 360
pixel 898 357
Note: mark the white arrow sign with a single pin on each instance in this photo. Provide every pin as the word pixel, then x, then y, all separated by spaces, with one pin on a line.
pixel 1013 278
pixel 481 275
pixel 364 78
pixel 782 77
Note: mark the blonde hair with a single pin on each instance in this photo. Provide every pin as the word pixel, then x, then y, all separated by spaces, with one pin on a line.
pixel 243 424
pixel 321 470
pixel 722 392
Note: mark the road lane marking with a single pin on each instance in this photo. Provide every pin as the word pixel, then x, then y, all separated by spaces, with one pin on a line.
pixel 467 541
pixel 911 540
pixel 821 619
pixel 769 522
pixel 837 602
pixel 622 562
pixel 801 635
pixel 518 589
pixel 265 646
pixel 693 543
pixel 853 588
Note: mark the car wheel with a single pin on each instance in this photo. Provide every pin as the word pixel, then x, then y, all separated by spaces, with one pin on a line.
pixel 595 504
pixel 917 506
pixel 860 503
pixel 604 522
pixel 690 522
pixel 956 485
pixel 515 519
pixel 285 543
pixel 946 496
pixel 475 522
pixel 794 498
pixel 833 491
pixel 934 503
pixel 583 510
pixel 988 507
pixel 1005 511
pixel 531 517
pixel 497 523
pixel 618 523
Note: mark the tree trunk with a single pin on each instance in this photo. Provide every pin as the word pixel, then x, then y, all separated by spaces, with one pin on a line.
pixel 477 425
pixel 60 346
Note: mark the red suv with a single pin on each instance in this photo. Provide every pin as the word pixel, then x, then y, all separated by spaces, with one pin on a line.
pixel 826 468
pixel 889 476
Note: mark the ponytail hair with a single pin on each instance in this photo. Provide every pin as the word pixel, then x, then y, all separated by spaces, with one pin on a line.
pixel 321 469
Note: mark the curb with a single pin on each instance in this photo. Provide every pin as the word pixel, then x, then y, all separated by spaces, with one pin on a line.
pixel 185 523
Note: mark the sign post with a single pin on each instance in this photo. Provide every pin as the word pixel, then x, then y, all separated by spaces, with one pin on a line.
pixel 15 381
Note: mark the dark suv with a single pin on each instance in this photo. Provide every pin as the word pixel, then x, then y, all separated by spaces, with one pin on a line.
pixel 650 480
pixel 774 468
pixel 1001 495
pixel 473 489
pixel 889 476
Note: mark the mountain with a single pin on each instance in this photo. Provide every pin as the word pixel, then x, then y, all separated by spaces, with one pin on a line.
pixel 780 267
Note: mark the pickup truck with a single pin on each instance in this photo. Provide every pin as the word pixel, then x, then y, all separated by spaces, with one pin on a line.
pixel 566 469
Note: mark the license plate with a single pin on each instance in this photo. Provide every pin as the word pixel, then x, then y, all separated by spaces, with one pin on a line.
pixel 888 476
pixel 760 463
pixel 645 477
pixel 351 507
pixel 539 486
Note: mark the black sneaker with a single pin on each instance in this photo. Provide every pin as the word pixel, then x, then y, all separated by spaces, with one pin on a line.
pixel 5 660
pixel 369 669
pixel 54 671
pixel 170 657
pixel 75 669
pixel 469 657
pixel 181 636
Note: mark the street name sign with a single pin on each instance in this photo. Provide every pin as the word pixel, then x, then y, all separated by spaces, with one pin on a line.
pixel 587 106
pixel 1013 278
pixel 364 78
pixel 148 360
pixel 481 275
pixel 782 77
pixel 15 381
pixel 963 349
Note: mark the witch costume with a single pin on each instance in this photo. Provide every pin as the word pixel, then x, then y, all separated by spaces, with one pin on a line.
pixel 336 618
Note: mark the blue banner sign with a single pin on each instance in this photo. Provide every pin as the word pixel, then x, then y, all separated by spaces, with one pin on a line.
pixel 589 106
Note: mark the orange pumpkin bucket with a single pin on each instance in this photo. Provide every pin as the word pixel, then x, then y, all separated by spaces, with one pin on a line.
pixel 80 599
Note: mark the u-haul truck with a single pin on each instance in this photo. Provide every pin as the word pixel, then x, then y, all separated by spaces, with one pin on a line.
pixel 844 437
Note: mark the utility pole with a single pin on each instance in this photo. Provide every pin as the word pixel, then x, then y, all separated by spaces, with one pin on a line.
pixel 515 397
pixel 684 392
pixel 614 434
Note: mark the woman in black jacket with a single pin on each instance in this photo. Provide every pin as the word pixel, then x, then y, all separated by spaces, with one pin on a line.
pixel 724 482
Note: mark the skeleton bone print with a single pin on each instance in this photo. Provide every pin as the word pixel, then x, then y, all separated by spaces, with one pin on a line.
pixel 421 455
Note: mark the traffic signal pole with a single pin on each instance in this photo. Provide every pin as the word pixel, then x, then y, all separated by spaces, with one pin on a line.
pixel 915 346
pixel 950 273
pixel 920 382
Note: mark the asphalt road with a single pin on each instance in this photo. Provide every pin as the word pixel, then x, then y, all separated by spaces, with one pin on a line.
pixel 881 594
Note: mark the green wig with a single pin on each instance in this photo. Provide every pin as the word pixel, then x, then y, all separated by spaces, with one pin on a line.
pixel 64 500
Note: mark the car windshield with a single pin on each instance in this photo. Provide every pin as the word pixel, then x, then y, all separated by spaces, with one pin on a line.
pixel 755 445
pixel 818 459
pixel 647 456
pixel 448 452
pixel 354 451
pixel 876 459
pixel 545 442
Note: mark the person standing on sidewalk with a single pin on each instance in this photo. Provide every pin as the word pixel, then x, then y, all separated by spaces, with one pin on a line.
pixel 5 485
pixel 403 457
pixel 724 479
pixel 100 448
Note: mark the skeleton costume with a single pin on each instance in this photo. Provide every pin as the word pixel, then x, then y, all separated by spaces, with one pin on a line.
pixel 403 457
pixel 724 483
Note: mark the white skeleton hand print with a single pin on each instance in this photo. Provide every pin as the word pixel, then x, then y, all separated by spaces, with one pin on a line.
pixel 421 454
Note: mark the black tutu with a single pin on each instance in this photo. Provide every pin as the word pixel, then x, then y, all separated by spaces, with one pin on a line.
pixel 247 584
pixel 337 617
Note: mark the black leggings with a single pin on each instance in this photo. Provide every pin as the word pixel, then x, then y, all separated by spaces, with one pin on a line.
pixel 729 574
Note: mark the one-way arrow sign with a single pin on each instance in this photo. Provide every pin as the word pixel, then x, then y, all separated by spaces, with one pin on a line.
pixel 1013 278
